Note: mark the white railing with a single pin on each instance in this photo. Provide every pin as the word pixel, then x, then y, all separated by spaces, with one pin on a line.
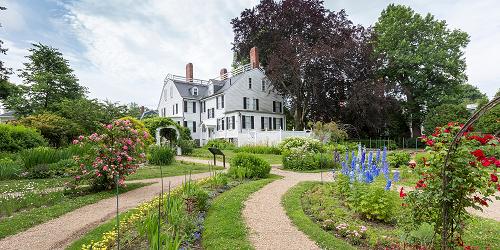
pixel 235 72
pixel 184 79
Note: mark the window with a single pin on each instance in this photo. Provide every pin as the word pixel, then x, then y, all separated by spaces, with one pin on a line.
pixel 204 104
pixel 195 91
pixel 243 122
pixel 211 113
pixel 194 126
pixel 274 123
pixel 249 83
pixel 252 122
pixel 218 124
pixel 274 106
pixel 256 104
pixel 281 107
pixel 222 123
pixel 246 103
pixel 262 123
pixel 222 101
pixel 233 125
pixel 177 108
pixel 194 107
pixel 185 124
pixel 217 102
pixel 228 123
pixel 185 106
pixel 263 85
pixel 281 124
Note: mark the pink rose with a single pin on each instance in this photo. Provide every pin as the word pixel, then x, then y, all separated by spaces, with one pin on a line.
pixel 75 141
pixel 105 168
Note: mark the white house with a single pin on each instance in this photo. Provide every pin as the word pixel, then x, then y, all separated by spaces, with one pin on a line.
pixel 239 106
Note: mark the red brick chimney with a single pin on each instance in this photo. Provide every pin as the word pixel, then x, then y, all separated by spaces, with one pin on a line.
pixel 254 57
pixel 223 73
pixel 189 72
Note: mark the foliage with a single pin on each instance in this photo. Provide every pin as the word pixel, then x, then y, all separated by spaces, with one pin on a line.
pixel 307 144
pixel 441 115
pixel 303 160
pixel 328 132
pixel 48 79
pixel 341 147
pixel 465 94
pixel 377 143
pixel 140 128
pixel 220 144
pixel 59 131
pixel 490 121
pixel 469 181
pixel 115 154
pixel 313 70
pixel 373 202
pixel 245 165
pixel 422 58
pixel 398 159
pixel 258 149
pixel 39 156
pixel 14 138
pixel 160 155
pixel 187 146
pixel 153 123
pixel 10 169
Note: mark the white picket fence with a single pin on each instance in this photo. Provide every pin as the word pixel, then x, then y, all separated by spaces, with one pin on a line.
pixel 269 138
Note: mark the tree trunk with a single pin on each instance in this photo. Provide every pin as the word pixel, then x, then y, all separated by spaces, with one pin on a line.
pixel 416 131
pixel 298 117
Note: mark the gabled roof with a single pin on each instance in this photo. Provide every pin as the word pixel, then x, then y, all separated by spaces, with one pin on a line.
pixel 185 89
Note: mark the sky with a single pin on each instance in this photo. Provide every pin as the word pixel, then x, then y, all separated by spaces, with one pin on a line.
pixel 122 50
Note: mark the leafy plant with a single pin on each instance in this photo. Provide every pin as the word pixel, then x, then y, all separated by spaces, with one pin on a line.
pixel 160 155
pixel 220 144
pixel 398 159
pixel 328 132
pixel 300 159
pixel 259 149
pixel 245 165
pixel 15 138
pixel 307 144
pixel 187 146
pixel 10 169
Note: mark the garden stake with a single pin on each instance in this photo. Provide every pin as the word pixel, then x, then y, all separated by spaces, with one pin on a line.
pixel 159 206
pixel 117 215
pixel 321 166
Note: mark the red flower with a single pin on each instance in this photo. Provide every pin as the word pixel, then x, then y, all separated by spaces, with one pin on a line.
pixel 493 177
pixel 402 194
pixel 447 130
pixel 485 162
pixel 498 187
pixel 472 163
pixel 481 201
pixel 478 153
pixel 497 163
pixel 421 184
pixel 430 143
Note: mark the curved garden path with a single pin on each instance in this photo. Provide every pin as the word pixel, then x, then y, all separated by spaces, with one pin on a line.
pixel 60 232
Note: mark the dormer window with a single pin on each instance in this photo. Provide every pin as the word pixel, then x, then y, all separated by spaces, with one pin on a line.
pixel 249 83
pixel 195 91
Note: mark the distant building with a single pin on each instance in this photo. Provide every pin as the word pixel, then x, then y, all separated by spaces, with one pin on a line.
pixel 239 106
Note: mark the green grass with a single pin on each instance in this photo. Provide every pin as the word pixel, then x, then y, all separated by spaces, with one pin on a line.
pixel 293 207
pixel 224 225
pixel 204 153
pixel 482 233
pixel 8 186
pixel 176 168
pixel 26 219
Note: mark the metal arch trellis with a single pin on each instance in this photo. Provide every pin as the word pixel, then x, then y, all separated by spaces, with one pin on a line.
pixel 446 204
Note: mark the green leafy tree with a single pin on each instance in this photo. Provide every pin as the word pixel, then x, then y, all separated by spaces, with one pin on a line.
pixel 490 121
pixel 47 80
pixel 443 114
pixel 465 94
pixel 88 114
pixel 422 58
pixel 4 71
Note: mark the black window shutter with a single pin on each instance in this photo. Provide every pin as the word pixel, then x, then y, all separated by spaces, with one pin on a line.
pixel 244 103
pixel 232 122
pixel 270 123
pixel 222 101
pixel 185 106
pixel 208 114
pixel 217 102
pixel 222 123
pixel 262 123
pixel 251 122
pixel 185 123
pixel 194 107
pixel 177 108
pixel 227 122
pixel 281 124
pixel 194 126
pixel 281 107
pixel 274 123
pixel 274 106
pixel 217 124
pixel 257 104
pixel 243 125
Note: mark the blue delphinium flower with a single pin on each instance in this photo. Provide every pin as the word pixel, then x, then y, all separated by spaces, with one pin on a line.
pixel 384 155
pixel 378 156
pixel 395 177
pixel 388 184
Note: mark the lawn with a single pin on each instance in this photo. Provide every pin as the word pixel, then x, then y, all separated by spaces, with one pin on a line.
pixel 204 153
pixel 8 186
pixel 224 225
pixel 59 204
pixel 175 169
pixel 310 205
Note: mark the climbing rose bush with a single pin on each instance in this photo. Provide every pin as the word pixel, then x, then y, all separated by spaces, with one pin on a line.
pixel 117 152
pixel 472 180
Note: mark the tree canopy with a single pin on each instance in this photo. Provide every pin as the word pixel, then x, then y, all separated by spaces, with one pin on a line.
pixel 422 58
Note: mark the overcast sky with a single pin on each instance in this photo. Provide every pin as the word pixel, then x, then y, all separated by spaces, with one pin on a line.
pixel 122 50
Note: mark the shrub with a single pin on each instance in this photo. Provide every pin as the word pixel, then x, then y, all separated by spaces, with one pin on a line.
pixel 441 115
pixel 59 131
pixel 341 147
pixel 155 122
pixel 419 158
pixel 300 159
pixel 40 155
pixel 328 132
pixel 259 149
pixel 308 144
pixel 245 165
pixel 140 128
pixel 15 138
pixel 220 144
pixel 373 202
pixel 39 171
pixel 160 155
pixel 63 168
pixel 116 153
pixel 398 158
pixel 187 146
pixel 10 169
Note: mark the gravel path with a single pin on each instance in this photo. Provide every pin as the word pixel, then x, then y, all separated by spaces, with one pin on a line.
pixel 60 232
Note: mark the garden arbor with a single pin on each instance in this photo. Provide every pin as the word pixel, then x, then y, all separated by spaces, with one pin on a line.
pixel 170 134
